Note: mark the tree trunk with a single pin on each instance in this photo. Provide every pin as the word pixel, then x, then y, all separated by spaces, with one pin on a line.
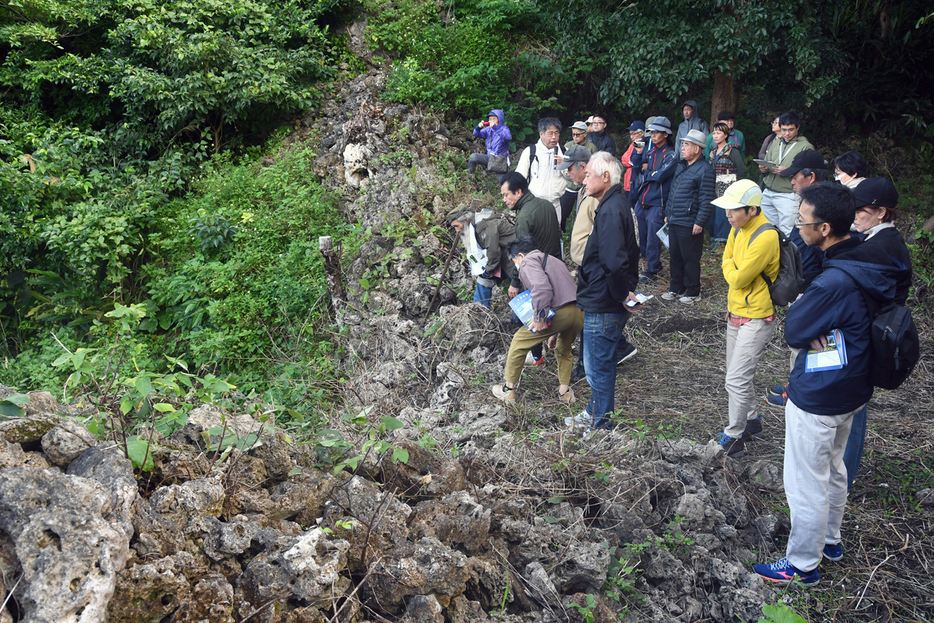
pixel 724 96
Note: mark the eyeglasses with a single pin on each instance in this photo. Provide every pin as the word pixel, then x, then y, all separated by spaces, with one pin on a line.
pixel 798 222
pixel 578 134
pixel 552 133
pixel 599 123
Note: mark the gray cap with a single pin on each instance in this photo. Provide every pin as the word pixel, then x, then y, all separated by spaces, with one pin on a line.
pixel 660 124
pixel 574 154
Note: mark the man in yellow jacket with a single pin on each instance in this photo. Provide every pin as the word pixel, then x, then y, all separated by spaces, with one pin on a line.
pixel 751 250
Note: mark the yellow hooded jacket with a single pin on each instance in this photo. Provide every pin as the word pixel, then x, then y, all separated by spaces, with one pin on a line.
pixel 742 265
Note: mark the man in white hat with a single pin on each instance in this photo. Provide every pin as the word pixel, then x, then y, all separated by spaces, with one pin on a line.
pixel 752 250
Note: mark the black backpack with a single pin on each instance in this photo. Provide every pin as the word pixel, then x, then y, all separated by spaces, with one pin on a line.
pixel 790 280
pixel 894 342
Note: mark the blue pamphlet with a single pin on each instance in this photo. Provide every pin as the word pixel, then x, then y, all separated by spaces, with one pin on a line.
pixel 833 357
pixel 522 306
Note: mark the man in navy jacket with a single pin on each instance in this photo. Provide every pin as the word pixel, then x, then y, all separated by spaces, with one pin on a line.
pixel 608 275
pixel 653 167
pixel 821 405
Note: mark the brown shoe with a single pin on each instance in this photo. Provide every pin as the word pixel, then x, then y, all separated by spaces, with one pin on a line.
pixel 567 397
pixel 505 394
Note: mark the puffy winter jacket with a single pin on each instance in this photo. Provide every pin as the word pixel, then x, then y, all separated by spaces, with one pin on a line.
pixel 603 141
pixel 497 136
pixel 692 190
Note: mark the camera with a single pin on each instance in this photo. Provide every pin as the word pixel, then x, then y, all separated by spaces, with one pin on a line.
pixel 640 144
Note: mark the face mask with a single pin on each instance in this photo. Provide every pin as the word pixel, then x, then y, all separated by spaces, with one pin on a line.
pixel 838 176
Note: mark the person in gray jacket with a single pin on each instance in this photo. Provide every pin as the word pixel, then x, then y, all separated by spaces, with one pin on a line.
pixel 493 234
pixel 692 121
pixel 687 211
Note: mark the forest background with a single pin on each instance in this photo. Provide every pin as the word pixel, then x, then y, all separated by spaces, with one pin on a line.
pixel 140 240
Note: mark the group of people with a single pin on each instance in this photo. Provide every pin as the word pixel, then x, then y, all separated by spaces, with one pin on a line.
pixel 850 252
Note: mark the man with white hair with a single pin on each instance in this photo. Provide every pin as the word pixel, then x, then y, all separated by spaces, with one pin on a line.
pixel 608 275
pixel 538 164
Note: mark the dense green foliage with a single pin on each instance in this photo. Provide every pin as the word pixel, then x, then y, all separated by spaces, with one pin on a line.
pixel 110 111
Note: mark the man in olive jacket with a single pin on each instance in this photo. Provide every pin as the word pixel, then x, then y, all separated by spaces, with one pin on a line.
pixel 493 234
pixel 533 216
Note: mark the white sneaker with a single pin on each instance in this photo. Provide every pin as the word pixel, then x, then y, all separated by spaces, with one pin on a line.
pixel 582 421
pixel 689 300
pixel 531 361
pixel 669 296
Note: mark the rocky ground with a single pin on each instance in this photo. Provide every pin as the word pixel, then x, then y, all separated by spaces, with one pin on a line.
pixel 452 507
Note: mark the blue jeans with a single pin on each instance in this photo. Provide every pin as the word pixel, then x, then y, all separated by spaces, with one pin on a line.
pixel 718 225
pixel 482 295
pixel 853 454
pixel 650 221
pixel 600 338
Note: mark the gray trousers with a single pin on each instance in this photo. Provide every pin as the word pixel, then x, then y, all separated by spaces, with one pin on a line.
pixel 815 482
pixel 744 346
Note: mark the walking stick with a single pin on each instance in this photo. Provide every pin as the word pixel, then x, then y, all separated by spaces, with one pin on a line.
pixel 444 273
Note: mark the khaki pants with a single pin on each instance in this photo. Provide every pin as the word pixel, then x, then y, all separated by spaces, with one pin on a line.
pixel 744 346
pixel 566 323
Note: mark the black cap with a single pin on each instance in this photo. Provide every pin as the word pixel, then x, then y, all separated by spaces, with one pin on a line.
pixel 807 159
pixel 876 191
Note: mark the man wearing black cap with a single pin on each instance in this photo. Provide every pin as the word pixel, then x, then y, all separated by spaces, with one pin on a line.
pixel 656 166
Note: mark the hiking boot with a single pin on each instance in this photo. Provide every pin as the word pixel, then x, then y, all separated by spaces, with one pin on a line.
pixel 627 353
pixel 733 446
pixel 579 422
pixel 782 572
pixel 530 360
pixel 567 397
pixel 506 394
pixel 689 300
pixel 753 429
pixel 779 400
pixel 833 552
pixel 670 295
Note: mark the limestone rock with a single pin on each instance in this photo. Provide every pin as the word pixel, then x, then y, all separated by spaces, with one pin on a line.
pixel 69 552
pixel 177 503
pixel 67 439
pixel 416 569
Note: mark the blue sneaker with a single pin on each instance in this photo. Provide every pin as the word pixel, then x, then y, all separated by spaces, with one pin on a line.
pixel 833 552
pixel 782 572
pixel 733 446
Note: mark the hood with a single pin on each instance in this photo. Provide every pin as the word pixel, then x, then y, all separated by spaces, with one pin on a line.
pixel 499 115
pixel 693 106
pixel 877 280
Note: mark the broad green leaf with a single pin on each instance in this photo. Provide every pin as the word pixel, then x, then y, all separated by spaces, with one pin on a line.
pixel 391 423
pixel 164 407
pixel 400 454
pixel 143 385
pixel 139 450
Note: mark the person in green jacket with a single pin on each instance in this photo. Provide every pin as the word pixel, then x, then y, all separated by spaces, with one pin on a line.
pixel 779 200
pixel 533 216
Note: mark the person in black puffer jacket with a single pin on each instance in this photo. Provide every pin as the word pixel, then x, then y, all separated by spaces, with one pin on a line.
pixel 686 213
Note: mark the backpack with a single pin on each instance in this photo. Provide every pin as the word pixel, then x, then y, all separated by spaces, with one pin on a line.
pixel 790 280
pixel 532 158
pixel 894 343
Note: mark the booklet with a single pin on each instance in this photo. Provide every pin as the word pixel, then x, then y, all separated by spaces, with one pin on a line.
pixel 522 306
pixel 640 299
pixel 833 357
pixel 663 235
pixel 765 163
